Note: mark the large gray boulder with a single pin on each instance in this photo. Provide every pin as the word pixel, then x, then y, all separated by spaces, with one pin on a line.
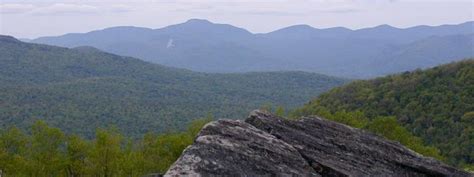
pixel 235 148
pixel 266 145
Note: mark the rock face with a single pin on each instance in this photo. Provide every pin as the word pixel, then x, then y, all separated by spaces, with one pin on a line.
pixel 235 148
pixel 267 145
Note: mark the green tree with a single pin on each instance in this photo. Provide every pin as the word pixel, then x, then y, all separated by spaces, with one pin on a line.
pixel 196 125
pixel 47 157
pixel 280 111
pixel 77 152
pixel 389 128
pixel 12 152
pixel 163 150
pixel 133 162
pixel 106 153
pixel 468 118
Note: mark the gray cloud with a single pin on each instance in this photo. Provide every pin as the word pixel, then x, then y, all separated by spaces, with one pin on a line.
pixel 15 8
pixel 66 9
pixel 273 13
pixel 337 11
pixel 61 8
pixel 119 8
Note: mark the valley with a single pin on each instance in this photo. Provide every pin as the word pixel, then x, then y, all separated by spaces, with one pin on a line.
pixel 82 89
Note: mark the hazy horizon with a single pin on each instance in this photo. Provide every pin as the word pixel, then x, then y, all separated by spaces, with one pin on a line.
pixel 354 29
pixel 57 17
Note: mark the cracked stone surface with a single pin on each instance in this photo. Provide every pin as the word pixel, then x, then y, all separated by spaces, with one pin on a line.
pixel 266 145
pixel 235 148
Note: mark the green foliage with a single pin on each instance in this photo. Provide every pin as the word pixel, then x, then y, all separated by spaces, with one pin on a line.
pixel 79 90
pixel 389 128
pixel 355 119
pixel 468 118
pixel 280 111
pixel 469 168
pixel 47 157
pixel 77 152
pixel 436 105
pixel 106 153
pixel 12 152
pixel 48 152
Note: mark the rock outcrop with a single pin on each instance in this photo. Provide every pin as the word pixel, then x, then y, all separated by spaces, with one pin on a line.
pixel 235 148
pixel 268 145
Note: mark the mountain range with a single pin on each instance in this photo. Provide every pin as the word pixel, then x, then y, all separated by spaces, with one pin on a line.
pixel 83 88
pixel 200 45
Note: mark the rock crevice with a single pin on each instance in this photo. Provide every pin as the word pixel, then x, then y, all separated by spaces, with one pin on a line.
pixel 265 144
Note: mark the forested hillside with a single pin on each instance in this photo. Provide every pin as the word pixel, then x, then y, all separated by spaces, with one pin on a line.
pixel 81 89
pixel 436 104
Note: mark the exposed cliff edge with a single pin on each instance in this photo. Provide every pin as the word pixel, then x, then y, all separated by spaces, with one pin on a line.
pixel 264 144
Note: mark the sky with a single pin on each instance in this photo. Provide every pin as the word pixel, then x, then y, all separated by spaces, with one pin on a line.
pixel 35 18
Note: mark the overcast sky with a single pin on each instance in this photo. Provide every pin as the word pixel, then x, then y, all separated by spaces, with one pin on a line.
pixel 34 18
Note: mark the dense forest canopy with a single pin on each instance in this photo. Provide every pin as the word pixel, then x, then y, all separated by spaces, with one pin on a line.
pixel 47 151
pixel 81 89
pixel 436 104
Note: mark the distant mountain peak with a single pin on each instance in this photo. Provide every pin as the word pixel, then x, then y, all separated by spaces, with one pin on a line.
pixel 468 23
pixel 300 27
pixel 385 26
pixel 123 29
pixel 303 26
pixel 198 21
pixel 378 29
pixel 192 24
pixel 305 31
pixel 338 29
pixel 5 38
pixel 205 26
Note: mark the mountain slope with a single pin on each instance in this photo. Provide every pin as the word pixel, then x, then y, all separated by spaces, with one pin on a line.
pixel 424 54
pixel 83 88
pixel 436 104
pixel 204 46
